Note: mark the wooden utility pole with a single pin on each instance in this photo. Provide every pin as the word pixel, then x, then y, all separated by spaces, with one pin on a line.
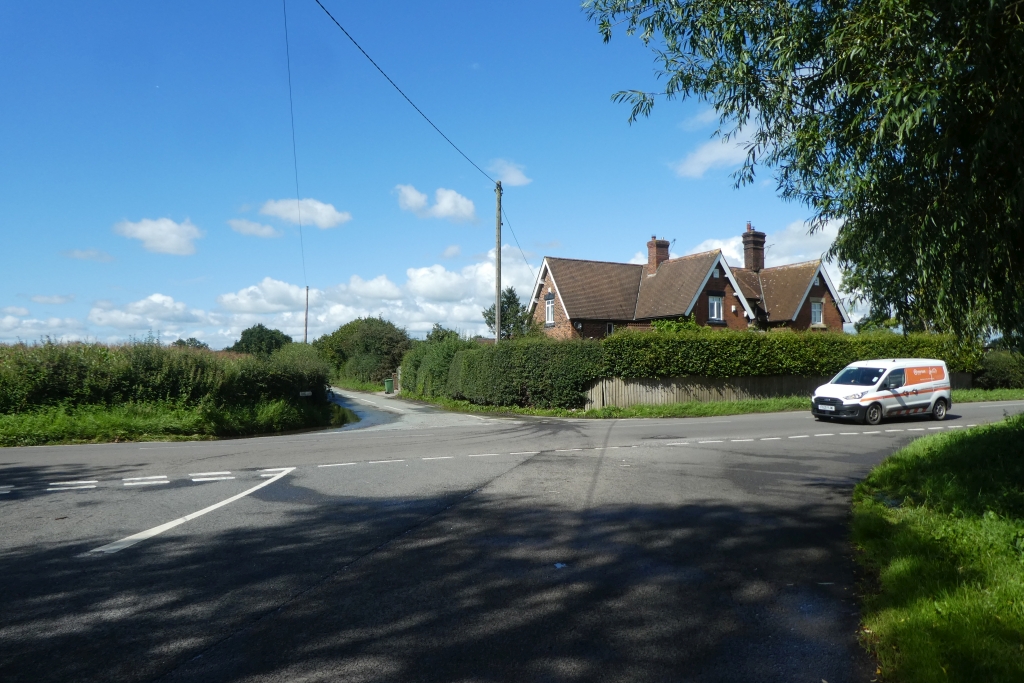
pixel 497 267
pixel 305 327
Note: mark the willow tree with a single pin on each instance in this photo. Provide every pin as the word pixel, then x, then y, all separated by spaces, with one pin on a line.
pixel 902 120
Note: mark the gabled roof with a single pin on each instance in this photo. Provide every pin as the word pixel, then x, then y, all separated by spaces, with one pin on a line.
pixel 750 286
pixel 596 289
pixel 671 290
pixel 786 287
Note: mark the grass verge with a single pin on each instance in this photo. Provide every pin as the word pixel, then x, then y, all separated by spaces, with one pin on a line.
pixel 977 395
pixel 940 527
pixel 159 422
pixel 691 409
pixel 356 385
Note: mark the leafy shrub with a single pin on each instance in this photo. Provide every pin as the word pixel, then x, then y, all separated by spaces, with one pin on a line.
pixel 75 374
pixel 528 372
pixel 1002 370
pixel 366 349
pixel 260 339
pixel 726 353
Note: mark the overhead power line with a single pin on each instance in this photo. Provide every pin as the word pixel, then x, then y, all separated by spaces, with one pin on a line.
pixel 425 118
pixel 295 154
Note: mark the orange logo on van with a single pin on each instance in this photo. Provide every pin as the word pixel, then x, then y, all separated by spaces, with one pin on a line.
pixel 926 373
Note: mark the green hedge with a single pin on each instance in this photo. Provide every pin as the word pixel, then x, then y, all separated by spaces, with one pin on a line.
pixel 724 353
pixel 49 374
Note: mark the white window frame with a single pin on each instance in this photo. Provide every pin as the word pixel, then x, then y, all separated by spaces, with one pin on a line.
pixel 549 311
pixel 817 280
pixel 716 305
pixel 609 328
pixel 715 273
pixel 820 306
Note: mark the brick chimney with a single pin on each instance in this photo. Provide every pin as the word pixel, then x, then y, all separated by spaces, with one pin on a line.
pixel 657 251
pixel 753 249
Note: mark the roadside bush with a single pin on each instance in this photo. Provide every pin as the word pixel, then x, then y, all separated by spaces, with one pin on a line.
pixel 1001 370
pixel 260 339
pixel 528 372
pixel 726 353
pixel 366 349
pixel 76 374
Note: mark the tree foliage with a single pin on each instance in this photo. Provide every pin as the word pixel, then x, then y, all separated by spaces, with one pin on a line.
pixel 366 349
pixel 190 343
pixel 516 321
pixel 260 340
pixel 902 120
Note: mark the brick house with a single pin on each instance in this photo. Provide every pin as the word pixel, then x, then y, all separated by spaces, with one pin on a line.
pixel 577 298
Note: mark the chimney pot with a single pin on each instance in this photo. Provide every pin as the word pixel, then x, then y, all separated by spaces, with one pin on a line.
pixel 657 251
pixel 753 249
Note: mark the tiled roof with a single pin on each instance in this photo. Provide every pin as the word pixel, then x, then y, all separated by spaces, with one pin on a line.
pixel 750 287
pixel 597 289
pixel 784 288
pixel 669 291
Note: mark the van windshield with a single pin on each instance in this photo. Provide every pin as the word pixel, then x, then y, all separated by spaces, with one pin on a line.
pixel 861 377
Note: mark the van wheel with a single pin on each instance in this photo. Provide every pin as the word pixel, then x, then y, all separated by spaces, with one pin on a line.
pixel 873 415
pixel 939 410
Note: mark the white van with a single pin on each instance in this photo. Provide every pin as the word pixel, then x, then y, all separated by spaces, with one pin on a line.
pixel 869 390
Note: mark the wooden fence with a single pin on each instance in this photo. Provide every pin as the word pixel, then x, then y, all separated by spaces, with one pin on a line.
pixel 623 393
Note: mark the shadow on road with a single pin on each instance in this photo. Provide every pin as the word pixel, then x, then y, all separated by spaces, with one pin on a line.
pixel 468 586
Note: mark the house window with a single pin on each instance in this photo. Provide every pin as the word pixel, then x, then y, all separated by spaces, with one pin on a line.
pixel 714 273
pixel 817 280
pixel 609 328
pixel 549 311
pixel 715 307
pixel 816 307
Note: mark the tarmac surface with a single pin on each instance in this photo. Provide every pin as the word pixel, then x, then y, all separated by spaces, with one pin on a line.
pixel 419 545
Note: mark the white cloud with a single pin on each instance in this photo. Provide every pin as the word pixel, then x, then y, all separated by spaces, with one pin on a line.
pixel 732 248
pixel 55 300
pixel 438 284
pixel 451 251
pixel 509 173
pixel 154 312
pixel 311 211
pixel 639 258
pixel 448 204
pixel 718 153
pixel 379 288
pixel 244 227
pixel 793 244
pixel 162 235
pixel 89 255
pixel 269 296
pixel 700 120
pixel 13 329
pixel 14 310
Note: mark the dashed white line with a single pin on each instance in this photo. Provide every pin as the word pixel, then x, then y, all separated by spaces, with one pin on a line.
pixel 826 434
pixel 481 455
pixel 525 453
pixel 709 442
pixel 337 464
pixel 150 533
pixel 916 429
pixel 772 438
pixel 441 457
pixel 569 450
pixel 848 433
pixel 161 476
pixel 378 462
pixel 611 448
pixel 955 427
pixel 211 478
pixel 972 425
pixel 73 483
pixel 146 483
pixel 71 488
pixel 877 431
pixel 739 440
pixel 934 428
pixel 894 430
pixel 277 469
pixel 802 436
pixel 208 474
pixel 680 443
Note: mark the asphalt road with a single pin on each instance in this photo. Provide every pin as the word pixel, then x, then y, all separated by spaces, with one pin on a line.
pixel 425 546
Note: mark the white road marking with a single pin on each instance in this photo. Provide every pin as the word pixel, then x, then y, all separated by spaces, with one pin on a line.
pixel 848 433
pixel 337 464
pixel 802 436
pixel 211 478
pixel 150 533
pixel 73 483
pixel 934 428
pixel 956 426
pixel 972 425
pixel 826 434
pixel 441 457
pixel 525 453
pixel 874 432
pixel 5 489
pixel 377 462
pixel 208 474
pixel 611 448
pixel 482 455
pixel 146 483
pixel 894 430
pixel 680 443
pixel 71 488
pixel 277 469
pixel 739 440
pixel 709 442
pixel 568 450
pixel 772 438
pixel 162 476
pixel 916 429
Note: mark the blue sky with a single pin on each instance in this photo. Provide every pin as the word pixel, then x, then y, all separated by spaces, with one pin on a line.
pixel 147 183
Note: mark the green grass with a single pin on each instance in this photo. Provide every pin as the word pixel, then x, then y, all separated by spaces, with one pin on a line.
pixel 976 395
pixel 159 422
pixel 940 527
pixel 355 384
pixel 691 409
